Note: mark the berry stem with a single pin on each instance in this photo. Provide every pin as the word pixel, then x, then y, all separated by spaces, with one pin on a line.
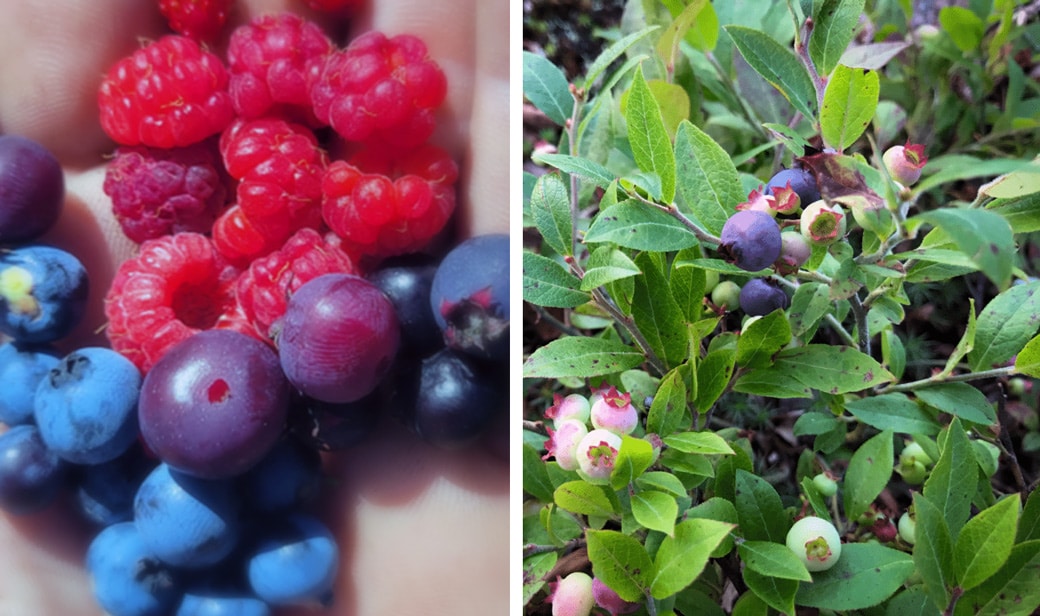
pixel 572 143
pixel 862 329
pixel 952 378
pixel 801 49
pixel 673 210
pixel 606 303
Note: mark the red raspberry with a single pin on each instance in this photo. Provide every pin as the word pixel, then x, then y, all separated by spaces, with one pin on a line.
pixel 383 207
pixel 158 192
pixel 330 6
pixel 264 289
pixel 167 94
pixel 201 20
pixel 268 59
pixel 280 168
pixel 380 90
pixel 177 285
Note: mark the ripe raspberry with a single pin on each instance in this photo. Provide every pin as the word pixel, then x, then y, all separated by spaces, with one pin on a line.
pixel 176 286
pixel 264 289
pixel 169 93
pixel 268 60
pixel 384 207
pixel 380 90
pixel 158 192
pixel 280 168
pixel 201 20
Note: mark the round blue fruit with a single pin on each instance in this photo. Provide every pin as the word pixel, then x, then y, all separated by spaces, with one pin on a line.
pixel 750 240
pixel 295 564
pixel 802 181
pixel 22 367
pixel 127 579
pixel 287 477
pixel 215 603
pixel 31 476
pixel 32 189
pixel 759 297
pixel 105 492
pixel 86 406
pixel 470 297
pixel 186 521
pixel 43 293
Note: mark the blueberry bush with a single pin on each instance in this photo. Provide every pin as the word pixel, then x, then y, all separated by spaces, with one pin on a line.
pixel 781 311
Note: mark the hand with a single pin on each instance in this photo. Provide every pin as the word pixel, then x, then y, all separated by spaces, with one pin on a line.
pixel 420 530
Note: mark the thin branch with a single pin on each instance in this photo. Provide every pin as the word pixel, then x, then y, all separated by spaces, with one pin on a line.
pixel 862 328
pixel 801 49
pixel 952 378
pixel 673 211
pixel 572 139
pixel 603 301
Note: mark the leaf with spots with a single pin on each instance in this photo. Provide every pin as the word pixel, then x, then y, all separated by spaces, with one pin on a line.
pixel 580 356
pixel 621 562
pixel 864 576
pixel 849 103
pixel 683 556
pixel 1005 325
pixel 834 25
pixel 985 237
pixel 1011 591
pixel 777 65
pixel 759 509
pixel 869 470
pixel 823 367
pixel 547 283
pixel 631 224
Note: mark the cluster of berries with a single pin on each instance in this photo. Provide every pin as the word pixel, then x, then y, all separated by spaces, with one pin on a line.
pixel 780 223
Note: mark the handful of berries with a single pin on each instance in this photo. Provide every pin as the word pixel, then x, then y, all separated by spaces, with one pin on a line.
pixel 296 278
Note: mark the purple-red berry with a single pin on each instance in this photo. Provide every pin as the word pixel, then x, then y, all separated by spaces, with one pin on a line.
pixel 760 296
pixel 750 240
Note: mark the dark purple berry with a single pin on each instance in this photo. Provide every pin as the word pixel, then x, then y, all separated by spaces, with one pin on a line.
pixel 803 182
pixel 339 338
pixel 43 293
pixel 760 296
pixel 470 297
pixel 407 285
pixel 750 240
pixel 215 404
pixel 30 474
pixel 32 189
pixel 330 426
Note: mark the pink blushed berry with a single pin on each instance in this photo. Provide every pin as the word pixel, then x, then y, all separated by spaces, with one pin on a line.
pixel 823 224
pixel 563 442
pixel 597 453
pixel 572 595
pixel 759 201
pixel 571 406
pixel 614 411
pixel 905 162
pixel 609 600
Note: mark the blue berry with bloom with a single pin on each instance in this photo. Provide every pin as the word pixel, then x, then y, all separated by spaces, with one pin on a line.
pixel 43 293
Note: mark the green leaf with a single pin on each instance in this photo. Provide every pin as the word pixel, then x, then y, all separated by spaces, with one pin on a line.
pixel 1005 325
pixel 546 87
pixel 661 481
pixel 613 52
pixel 834 25
pixel 777 593
pixel 963 26
pixel 535 569
pixel 576 165
pixel 581 356
pixel 773 559
pixel 872 56
pixel 982 235
pixel 1022 214
pixel 605 265
pixel 865 575
pixel 788 136
pixel 959 399
pixel 816 500
pixel 763 338
pixel 914 601
pixel 951 483
pixel 1011 591
pixel 893 352
pixel 708 181
pixel 713 376
pixel 551 212
pixel 849 103
pixel 634 457
pixel 674 103
pixel 583 498
pixel 985 542
pixel 952 167
pixel 777 65
pixel 639 226
pixel 651 147
pixel 657 314
pixel 547 283
pixel 536 478
pixel 759 509
pixel 699 442
pixel 682 557
pixel 964 345
pixel 655 510
pixel 668 44
pixel 1014 184
pixel 688 285
pixel 771 383
pixel 827 368
pixel 667 409
pixel 933 550
pixel 621 562
pixel 869 471
pixel 895 412
pixel 810 303
pixel 1029 525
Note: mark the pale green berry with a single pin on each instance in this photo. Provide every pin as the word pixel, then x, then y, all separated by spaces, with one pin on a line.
pixel 816 542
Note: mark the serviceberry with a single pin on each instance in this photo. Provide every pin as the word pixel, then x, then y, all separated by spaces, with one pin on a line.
pixel 750 240
pixel 816 542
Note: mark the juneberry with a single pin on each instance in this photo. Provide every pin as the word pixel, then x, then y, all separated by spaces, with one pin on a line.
pixel 32 189
pixel 794 252
pixel 905 162
pixel 596 455
pixel 86 406
pixel 127 578
pixel 563 441
pixel 816 542
pixel 823 224
pixel 31 475
pixel 614 411
pixel 43 293
pixel 22 367
pixel 726 295
pixel 295 563
pixel 760 296
pixel 331 426
pixel 750 240
pixel 800 180
pixel 407 285
pixel 572 595
pixel 571 406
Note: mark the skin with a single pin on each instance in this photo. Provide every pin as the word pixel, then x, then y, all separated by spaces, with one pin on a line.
pixel 421 530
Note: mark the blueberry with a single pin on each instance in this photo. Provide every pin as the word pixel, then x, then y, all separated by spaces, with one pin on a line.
pixel 760 296
pixel 288 476
pixel 407 284
pixel 22 367
pixel 31 476
pixel 329 426
pixel 470 296
pixel 450 399
pixel 127 579
pixel 218 603
pixel 803 182
pixel 86 407
pixel 105 492
pixel 32 189
pixel 295 563
pixel 43 293
pixel 750 240
pixel 186 521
